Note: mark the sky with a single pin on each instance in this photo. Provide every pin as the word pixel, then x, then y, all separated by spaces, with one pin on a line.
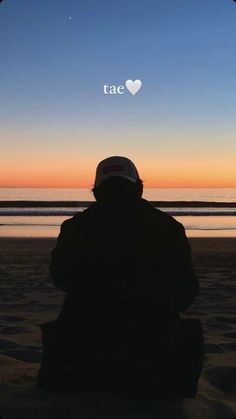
pixel 56 122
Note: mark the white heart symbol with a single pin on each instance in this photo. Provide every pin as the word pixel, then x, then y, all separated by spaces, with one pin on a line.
pixel 133 86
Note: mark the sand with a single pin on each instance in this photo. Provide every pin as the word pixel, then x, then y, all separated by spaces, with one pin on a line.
pixel 28 299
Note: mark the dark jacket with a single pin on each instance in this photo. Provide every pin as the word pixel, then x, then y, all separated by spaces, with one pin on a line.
pixel 123 259
pixel 127 273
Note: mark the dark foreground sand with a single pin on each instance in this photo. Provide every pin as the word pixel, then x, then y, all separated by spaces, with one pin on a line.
pixel 28 299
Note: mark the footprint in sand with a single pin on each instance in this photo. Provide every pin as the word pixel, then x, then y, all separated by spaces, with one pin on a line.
pixel 26 356
pixel 12 330
pixel 217 326
pixel 7 344
pixel 12 318
pixel 224 319
pixel 222 377
pixel 230 335
pixel 230 346
pixel 31 354
pixel 212 348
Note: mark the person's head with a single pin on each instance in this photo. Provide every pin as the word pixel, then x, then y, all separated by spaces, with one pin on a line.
pixel 117 177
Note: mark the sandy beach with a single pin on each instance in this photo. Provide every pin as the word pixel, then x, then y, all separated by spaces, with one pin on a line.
pixel 29 299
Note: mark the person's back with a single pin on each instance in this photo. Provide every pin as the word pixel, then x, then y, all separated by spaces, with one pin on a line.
pixel 126 268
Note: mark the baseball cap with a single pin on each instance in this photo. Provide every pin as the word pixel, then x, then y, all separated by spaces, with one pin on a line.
pixel 116 166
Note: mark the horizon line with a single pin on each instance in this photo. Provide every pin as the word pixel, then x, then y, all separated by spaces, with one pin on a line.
pixel 145 187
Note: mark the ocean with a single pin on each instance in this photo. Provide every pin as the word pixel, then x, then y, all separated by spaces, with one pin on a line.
pixel 26 212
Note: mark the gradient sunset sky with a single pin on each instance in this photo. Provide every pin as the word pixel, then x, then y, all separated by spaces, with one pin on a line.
pixel 56 123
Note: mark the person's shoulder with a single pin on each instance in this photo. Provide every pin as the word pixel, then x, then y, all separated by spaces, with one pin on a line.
pixel 163 217
pixel 69 224
pixel 77 218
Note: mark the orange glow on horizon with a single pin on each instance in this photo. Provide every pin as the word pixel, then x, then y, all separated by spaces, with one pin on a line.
pixel 165 173
pixel 42 182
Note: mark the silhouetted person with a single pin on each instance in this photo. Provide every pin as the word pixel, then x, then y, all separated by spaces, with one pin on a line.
pixel 127 273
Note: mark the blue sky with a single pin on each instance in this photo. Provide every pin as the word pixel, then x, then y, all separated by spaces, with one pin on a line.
pixel 57 55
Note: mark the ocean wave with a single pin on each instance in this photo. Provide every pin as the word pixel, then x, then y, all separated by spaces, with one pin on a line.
pixel 63 212
pixel 85 204
pixel 38 212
